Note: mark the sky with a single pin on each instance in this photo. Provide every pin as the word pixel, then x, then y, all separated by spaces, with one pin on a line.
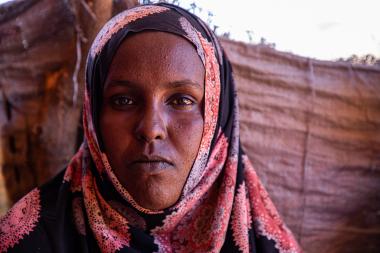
pixel 321 29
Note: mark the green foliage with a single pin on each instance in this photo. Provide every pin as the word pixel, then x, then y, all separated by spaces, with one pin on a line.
pixel 367 59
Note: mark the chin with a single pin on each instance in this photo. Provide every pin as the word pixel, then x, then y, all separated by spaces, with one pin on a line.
pixel 157 200
pixel 155 192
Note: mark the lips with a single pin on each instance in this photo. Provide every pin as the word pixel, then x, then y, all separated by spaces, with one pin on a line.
pixel 151 164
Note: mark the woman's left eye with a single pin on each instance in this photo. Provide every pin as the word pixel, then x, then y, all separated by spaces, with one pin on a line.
pixel 182 101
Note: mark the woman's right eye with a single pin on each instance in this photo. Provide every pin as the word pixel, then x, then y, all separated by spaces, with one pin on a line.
pixel 121 101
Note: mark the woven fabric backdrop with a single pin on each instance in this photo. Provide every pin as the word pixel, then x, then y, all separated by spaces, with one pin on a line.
pixel 312 131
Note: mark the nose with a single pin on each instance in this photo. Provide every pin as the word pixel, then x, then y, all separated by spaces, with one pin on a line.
pixel 151 126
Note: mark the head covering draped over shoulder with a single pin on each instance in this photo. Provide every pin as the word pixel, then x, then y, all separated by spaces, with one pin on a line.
pixel 223 206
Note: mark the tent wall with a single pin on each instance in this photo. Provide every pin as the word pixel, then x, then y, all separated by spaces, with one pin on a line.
pixel 312 131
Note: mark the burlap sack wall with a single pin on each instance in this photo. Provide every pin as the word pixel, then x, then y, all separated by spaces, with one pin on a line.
pixel 312 131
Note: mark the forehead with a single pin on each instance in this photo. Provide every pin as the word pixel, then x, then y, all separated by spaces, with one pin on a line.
pixel 154 53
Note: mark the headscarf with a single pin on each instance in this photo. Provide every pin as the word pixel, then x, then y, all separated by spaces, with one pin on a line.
pixel 223 206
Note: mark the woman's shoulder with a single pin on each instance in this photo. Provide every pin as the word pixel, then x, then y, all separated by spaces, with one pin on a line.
pixel 24 227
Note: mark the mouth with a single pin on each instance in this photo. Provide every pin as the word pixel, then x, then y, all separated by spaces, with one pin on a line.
pixel 151 164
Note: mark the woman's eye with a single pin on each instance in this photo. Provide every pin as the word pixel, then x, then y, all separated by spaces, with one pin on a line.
pixel 122 100
pixel 182 101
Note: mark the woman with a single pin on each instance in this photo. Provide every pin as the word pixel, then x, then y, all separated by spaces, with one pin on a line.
pixel 161 168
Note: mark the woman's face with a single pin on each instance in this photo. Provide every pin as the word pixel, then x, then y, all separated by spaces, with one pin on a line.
pixel 151 120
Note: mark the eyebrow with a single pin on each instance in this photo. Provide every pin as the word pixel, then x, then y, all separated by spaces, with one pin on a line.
pixel 174 84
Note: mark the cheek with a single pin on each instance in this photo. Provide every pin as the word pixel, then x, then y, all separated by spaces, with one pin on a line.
pixel 188 138
pixel 114 132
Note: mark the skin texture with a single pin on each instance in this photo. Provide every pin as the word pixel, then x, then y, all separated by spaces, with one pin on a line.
pixel 151 120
